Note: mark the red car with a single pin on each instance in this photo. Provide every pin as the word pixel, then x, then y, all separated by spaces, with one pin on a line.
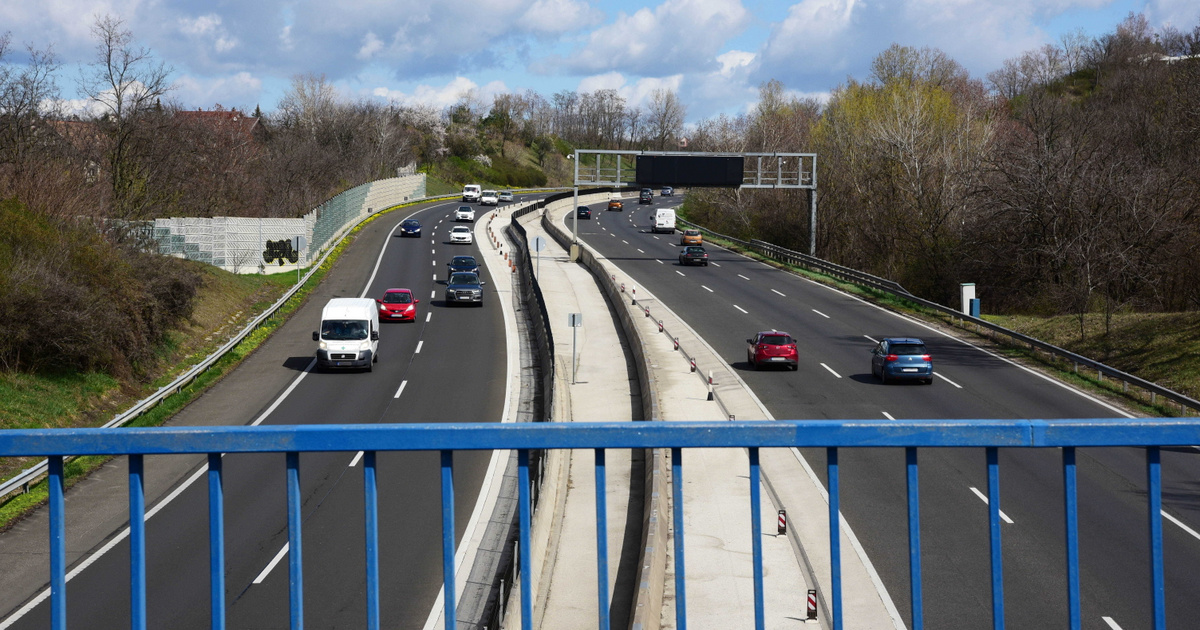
pixel 398 305
pixel 772 347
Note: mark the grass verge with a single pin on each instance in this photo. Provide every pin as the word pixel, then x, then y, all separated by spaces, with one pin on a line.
pixel 83 400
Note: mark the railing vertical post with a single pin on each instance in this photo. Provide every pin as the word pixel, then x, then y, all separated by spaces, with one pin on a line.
pixel 756 539
pixel 58 544
pixel 993 474
pixel 448 539
pixel 137 543
pixel 1154 491
pixel 216 541
pixel 677 526
pixel 295 564
pixel 914 538
pixel 1072 510
pixel 601 540
pixel 835 537
pixel 526 562
pixel 371 512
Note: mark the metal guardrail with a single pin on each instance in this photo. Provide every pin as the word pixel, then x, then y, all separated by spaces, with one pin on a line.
pixel 23 479
pixel 888 286
pixel 912 435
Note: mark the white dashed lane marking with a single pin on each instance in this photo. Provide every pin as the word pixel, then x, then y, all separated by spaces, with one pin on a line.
pixel 831 370
pixel 715 264
pixel 743 277
pixel 419 344
pixel 780 294
pixel 660 261
pixel 985 501
pixel 354 462
pixel 706 288
pixel 428 315
pixel 679 272
pixel 888 416
pixel 740 309
pixel 820 313
pixel 937 374
pixel 401 390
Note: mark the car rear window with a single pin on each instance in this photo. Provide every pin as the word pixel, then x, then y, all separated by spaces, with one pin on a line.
pixel 907 348
pixel 776 340
pixel 692 232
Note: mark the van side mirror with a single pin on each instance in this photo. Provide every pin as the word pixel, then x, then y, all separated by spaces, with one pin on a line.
pixel 374 335
pixel 316 336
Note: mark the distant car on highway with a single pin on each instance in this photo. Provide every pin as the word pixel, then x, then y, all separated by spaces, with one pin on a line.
pixel 667 191
pixel 584 212
pixel 693 255
pixel 691 237
pixel 616 204
pixel 506 195
pixel 464 287
pixel 902 358
pixel 772 347
pixel 410 227
pixel 460 234
pixel 489 198
pixel 646 196
pixel 463 263
pixel 397 305
pixel 464 213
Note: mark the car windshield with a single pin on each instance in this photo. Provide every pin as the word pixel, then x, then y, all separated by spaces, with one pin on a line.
pixel 344 329
pixel 464 278
pixel 463 261
pixel 412 223
pixel 464 208
pixel 397 297
pixel 907 348
pixel 461 229
pixel 776 340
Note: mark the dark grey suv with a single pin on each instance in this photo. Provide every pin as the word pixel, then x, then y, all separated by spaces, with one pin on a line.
pixel 464 287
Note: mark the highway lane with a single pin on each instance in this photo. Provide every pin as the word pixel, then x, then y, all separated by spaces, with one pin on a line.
pixel 735 296
pixel 451 365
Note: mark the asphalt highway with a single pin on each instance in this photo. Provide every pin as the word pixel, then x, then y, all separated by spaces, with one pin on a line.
pixel 449 365
pixel 735 297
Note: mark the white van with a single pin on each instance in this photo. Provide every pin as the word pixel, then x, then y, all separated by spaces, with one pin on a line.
pixel 664 220
pixel 489 198
pixel 349 335
pixel 471 192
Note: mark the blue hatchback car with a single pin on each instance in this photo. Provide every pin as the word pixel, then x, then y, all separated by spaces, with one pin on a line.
pixel 410 227
pixel 902 358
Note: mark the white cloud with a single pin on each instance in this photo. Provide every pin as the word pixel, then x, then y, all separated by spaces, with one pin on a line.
pixel 636 94
pixel 1182 14
pixel 677 35
pixel 442 96
pixel 371 46
pixel 237 90
pixel 207 30
pixel 558 16
pixel 733 61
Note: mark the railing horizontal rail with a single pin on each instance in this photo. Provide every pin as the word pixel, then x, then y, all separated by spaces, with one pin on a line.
pixel 677 436
pixel 469 436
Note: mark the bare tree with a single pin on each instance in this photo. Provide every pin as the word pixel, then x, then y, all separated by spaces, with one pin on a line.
pixel 23 91
pixel 308 104
pixel 126 83
pixel 664 117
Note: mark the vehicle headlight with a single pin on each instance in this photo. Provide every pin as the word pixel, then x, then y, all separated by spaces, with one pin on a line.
pixel 323 346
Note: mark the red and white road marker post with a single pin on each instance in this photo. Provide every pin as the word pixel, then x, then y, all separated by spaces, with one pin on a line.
pixel 782 529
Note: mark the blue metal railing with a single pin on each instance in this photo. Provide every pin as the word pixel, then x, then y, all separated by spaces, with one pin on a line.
pixel 676 436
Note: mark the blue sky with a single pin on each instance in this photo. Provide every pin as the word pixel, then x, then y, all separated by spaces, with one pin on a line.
pixel 714 52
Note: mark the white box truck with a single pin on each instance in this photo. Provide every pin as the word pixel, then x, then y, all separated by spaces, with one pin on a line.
pixel 664 221
pixel 471 193
pixel 349 335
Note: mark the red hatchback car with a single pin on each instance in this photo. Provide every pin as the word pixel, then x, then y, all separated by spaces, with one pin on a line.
pixel 772 347
pixel 398 305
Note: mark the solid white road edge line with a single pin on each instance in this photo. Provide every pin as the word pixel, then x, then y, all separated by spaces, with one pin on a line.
pixel 401 390
pixel 495 466
pixel 831 370
pixel 985 501
pixel 876 581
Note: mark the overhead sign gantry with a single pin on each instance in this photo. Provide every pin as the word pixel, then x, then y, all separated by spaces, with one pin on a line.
pixel 598 167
